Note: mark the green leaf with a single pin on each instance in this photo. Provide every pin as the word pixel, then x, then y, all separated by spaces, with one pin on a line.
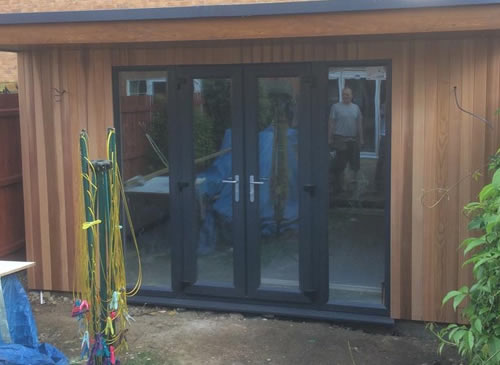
pixel 440 349
pixel 472 244
pixel 475 223
pixel 458 335
pixel 488 190
pixel 475 258
pixel 450 295
pixel 472 206
pixel 496 179
pixel 457 300
pixel 478 326
pixel 470 339
pixel 494 349
pixel 481 262
pixel 467 241
pixel 453 331
pixel 464 289
pixel 490 226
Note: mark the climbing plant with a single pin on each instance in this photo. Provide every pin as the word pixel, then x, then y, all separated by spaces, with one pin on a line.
pixel 479 341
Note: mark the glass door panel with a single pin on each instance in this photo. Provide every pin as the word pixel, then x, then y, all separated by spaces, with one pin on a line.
pixel 357 179
pixel 277 139
pixel 213 242
pixel 213 179
pixel 145 168
pixel 277 180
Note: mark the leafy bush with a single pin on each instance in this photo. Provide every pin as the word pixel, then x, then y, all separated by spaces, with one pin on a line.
pixel 479 342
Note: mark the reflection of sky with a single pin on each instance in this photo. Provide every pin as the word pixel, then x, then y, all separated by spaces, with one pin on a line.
pixel 197 85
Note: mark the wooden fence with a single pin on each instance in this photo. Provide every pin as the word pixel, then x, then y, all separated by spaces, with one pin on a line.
pixel 11 184
pixel 135 116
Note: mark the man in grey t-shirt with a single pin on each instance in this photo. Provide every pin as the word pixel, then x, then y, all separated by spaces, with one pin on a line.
pixel 345 134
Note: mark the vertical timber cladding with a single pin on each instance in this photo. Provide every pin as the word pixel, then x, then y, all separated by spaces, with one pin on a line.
pixel 433 144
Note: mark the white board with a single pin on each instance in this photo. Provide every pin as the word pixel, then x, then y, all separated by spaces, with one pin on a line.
pixel 11 267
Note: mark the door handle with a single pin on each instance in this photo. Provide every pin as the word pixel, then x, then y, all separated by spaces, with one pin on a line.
pixel 236 183
pixel 252 183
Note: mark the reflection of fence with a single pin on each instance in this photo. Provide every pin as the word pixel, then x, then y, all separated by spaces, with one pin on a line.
pixel 136 116
pixel 11 187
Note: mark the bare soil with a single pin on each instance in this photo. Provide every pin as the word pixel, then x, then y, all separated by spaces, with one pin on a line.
pixel 176 336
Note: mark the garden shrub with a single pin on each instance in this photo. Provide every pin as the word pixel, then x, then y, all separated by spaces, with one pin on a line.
pixel 479 341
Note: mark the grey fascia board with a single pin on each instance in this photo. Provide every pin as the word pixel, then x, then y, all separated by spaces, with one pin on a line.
pixel 223 11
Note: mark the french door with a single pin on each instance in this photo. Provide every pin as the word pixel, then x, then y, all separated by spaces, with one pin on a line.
pixel 244 190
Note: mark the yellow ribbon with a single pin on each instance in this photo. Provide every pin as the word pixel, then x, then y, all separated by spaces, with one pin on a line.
pixel 87 225
pixel 109 327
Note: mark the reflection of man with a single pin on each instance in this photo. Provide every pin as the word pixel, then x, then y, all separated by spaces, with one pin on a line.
pixel 345 134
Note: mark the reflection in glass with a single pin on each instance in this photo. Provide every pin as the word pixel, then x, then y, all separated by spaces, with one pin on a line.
pixel 357 179
pixel 213 168
pixel 278 195
pixel 143 128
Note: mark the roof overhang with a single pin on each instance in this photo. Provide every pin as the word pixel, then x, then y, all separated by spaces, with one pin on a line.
pixel 253 21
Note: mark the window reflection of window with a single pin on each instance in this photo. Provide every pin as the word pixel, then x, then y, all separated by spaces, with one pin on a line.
pixel 137 87
pixel 154 87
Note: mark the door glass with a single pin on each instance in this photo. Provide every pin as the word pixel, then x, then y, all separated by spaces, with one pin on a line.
pixel 364 97
pixel 213 175
pixel 277 181
pixel 143 129
pixel 357 172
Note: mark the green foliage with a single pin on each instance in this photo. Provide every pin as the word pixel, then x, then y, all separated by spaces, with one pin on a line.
pixel 203 129
pixel 479 342
pixel 210 121
pixel 216 95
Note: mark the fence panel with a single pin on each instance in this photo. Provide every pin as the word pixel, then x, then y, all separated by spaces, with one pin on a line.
pixel 11 187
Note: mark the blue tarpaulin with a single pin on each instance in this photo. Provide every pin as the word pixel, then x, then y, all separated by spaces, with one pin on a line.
pixel 24 347
pixel 220 195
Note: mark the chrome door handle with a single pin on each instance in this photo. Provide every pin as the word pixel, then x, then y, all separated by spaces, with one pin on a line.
pixel 236 183
pixel 252 183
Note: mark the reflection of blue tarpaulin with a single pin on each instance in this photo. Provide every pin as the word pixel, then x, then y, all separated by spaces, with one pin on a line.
pixel 24 347
pixel 219 196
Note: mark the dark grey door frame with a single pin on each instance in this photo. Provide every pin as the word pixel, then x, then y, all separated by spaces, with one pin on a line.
pixel 306 187
pixel 206 297
pixel 183 129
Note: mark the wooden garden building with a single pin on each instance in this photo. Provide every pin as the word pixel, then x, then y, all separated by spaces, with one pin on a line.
pixel 248 187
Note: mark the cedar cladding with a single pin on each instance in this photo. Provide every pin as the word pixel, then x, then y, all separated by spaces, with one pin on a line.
pixel 433 143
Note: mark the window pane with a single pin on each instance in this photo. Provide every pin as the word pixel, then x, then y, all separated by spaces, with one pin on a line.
pixel 143 128
pixel 278 194
pixel 212 140
pixel 357 235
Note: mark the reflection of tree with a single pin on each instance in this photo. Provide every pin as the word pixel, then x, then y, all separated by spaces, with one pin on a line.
pixel 210 124
pixel 203 134
pixel 210 121
pixel 264 111
pixel 281 112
